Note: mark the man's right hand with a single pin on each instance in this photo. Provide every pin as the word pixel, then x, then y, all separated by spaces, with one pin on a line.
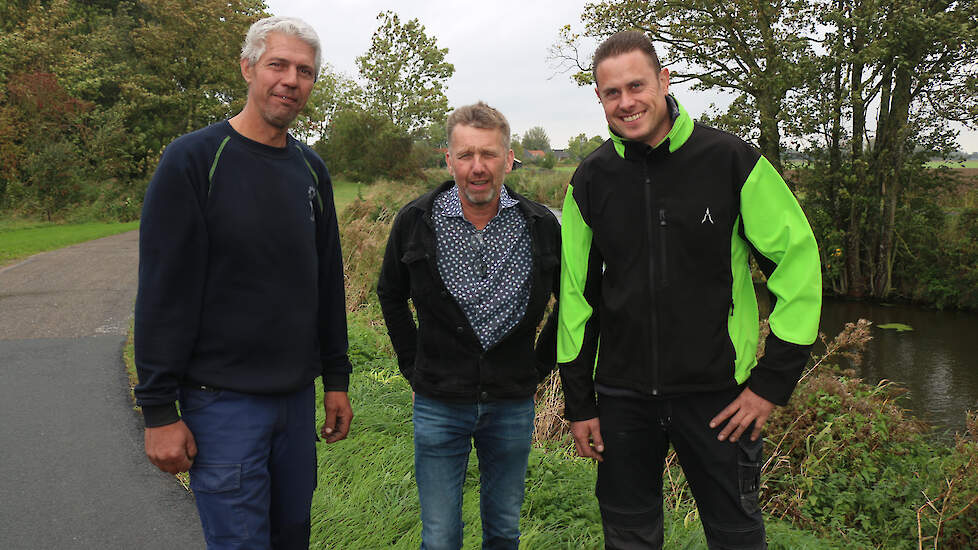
pixel 587 438
pixel 171 448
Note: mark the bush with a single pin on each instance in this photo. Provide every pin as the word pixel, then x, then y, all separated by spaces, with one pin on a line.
pixel 365 147
pixel 947 271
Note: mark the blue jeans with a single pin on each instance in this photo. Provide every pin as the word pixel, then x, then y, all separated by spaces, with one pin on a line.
pixel 255 469
pixel 443 433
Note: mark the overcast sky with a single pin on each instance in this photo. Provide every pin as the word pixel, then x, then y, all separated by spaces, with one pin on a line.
pixel 499 50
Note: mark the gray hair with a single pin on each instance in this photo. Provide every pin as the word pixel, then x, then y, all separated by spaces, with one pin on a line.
pixel 254 44
pixel 478 115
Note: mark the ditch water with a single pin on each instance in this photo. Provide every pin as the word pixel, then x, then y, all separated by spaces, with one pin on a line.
pixel 937 361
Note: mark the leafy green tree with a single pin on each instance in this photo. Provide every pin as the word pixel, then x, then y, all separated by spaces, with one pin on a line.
pixel 536 138
pixel 145 72
pixel 580 146
pixel 50 172
pixel 517 146
pixel 189 50
pixel 365 147
pixel 914 59
pixel 406 74
pixel 332 93
pixel 12 12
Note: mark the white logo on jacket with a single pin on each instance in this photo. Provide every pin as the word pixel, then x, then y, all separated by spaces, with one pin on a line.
pixel 707 216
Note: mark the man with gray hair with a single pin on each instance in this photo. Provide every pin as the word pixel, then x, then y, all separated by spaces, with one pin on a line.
pixel 241 305
pixel 480 263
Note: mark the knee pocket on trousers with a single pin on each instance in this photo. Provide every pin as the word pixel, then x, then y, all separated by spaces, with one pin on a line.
pixel 749 476
pixel 217 489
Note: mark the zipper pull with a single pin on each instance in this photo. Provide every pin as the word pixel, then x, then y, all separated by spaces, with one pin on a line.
pixel 662 217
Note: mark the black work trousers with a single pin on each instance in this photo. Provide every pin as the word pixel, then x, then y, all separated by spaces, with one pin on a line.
pixel 723 476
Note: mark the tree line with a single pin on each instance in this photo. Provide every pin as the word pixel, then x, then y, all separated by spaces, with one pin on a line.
pixel 91 93
pixel 866 89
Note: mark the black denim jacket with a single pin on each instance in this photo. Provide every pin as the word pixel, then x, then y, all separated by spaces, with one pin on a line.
pixel 440 355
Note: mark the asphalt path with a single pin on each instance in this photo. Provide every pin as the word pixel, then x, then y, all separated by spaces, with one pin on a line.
pixel 72 469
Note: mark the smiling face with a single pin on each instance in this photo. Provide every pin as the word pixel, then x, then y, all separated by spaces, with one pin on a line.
pixel 633 95
pixel 280 81
pixel 479 161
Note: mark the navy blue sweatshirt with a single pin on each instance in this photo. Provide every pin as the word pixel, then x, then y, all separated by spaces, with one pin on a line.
pixel 240 272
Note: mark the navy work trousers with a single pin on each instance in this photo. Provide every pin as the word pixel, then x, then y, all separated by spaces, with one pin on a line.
pixel 255 469
pixel 723 476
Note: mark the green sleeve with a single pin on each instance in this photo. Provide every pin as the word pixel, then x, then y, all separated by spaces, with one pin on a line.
pixel 778 229
pixel 577 327
pixel 786 251
pixel 575 310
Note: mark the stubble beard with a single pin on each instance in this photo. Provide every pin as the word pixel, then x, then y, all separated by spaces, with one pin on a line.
pixel 282 123
pixel 480 200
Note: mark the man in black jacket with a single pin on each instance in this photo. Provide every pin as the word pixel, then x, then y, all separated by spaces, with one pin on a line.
pixel 479 262
pixel 658 323
pixel 241 305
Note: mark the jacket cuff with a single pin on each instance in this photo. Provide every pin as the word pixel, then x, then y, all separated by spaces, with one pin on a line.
pixel 336 381
pixel 776 374
pixel 160 415
pixel 579 399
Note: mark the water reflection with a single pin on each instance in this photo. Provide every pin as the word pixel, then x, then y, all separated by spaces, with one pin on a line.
pixel 937 362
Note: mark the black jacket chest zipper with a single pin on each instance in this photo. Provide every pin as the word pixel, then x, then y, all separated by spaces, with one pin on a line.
pixel 653 310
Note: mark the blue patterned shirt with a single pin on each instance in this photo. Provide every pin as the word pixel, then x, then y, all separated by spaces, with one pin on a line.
pixel 487 271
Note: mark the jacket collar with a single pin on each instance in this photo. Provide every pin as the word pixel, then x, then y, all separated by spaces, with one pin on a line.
pixel 426 202
pixel 682 128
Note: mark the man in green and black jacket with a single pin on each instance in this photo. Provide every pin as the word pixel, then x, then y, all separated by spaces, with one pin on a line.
pixel 658 324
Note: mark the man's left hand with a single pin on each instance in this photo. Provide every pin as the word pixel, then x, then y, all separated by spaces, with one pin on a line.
pixel 748 407
pixel 338 416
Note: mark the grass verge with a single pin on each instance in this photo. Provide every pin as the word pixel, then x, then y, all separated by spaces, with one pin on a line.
pixel 20 239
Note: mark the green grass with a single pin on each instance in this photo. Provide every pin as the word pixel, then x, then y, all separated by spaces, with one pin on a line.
pixel 953 163
pixel 345 192
pixel 22 238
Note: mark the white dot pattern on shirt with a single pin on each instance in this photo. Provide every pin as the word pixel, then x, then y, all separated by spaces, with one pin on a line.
pixel 489 277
